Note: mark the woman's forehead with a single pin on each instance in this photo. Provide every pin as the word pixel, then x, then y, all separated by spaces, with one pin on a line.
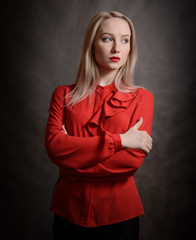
pixel 114 26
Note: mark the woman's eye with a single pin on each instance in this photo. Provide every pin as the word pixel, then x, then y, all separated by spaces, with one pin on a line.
pixel 107 39
pixel 125 40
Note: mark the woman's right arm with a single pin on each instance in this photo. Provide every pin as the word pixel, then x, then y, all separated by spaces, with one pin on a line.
pixel 70 151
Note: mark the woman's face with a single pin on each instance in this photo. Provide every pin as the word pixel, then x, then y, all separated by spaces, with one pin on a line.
pixel 112 44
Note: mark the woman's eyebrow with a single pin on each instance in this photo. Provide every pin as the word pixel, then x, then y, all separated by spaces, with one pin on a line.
pixel 123 35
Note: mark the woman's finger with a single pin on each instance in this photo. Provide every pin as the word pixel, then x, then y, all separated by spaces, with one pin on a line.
pixel 138 124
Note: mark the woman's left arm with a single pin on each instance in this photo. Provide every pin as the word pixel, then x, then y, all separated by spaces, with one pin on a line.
pixel 126 161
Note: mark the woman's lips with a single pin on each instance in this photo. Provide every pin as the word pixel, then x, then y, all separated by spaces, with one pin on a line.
pixel 115 59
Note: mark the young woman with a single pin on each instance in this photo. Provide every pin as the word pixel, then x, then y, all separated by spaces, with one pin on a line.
pixel 98 134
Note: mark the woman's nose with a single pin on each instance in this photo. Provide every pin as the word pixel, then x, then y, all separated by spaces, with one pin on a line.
pixel 116 47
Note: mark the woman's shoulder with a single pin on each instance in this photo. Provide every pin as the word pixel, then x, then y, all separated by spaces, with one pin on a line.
pixel 141 94
pixel 144 92
pixel 138 92
pixel 63 90
pixel 144 95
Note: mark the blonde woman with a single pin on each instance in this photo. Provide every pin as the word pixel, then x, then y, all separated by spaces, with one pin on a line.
pixel 98 134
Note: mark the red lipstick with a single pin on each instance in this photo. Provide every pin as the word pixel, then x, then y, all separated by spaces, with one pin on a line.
pixel 115 59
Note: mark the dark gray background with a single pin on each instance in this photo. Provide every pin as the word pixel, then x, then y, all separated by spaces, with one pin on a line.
pixel 42 45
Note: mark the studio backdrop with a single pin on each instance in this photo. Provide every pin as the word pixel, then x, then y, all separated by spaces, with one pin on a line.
pixel 42 43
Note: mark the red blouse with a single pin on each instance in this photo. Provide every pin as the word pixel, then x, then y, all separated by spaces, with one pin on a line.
pixel 96 185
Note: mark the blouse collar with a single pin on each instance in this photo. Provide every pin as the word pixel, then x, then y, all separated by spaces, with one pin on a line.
pixel 106 88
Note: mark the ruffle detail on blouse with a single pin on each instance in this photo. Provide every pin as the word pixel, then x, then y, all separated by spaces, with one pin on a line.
pixel 119 102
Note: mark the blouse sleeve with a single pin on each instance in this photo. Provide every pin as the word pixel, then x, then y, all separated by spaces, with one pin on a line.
pixel 126 161
pixel 70 151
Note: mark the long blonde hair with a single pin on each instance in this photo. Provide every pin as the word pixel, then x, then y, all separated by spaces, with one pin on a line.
pixel 88 74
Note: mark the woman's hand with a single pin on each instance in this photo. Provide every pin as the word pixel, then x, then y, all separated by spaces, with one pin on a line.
pixel 136 139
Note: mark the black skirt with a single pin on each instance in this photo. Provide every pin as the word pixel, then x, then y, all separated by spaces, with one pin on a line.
pixel 126 230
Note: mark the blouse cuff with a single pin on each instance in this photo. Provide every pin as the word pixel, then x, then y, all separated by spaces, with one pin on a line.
pixel 117 142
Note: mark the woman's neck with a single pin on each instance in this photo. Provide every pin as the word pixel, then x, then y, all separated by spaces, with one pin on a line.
pixel 106 77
